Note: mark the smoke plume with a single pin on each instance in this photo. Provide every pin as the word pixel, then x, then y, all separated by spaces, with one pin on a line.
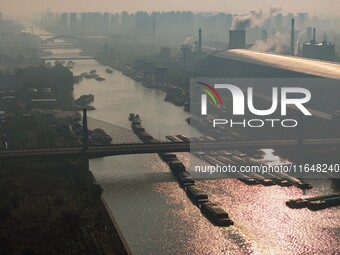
pixel 254 19
pixel 189 40
pixel 277 43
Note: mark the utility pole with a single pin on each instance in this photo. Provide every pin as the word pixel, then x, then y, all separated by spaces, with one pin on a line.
pixel 85 160
pixel 85 130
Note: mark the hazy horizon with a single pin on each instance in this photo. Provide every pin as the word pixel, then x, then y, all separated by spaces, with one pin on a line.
pixel 15 7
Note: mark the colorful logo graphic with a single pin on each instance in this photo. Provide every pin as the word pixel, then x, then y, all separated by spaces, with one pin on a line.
pixel 210 91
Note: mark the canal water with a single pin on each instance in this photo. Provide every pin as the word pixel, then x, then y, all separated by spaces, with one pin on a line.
pixel 154 214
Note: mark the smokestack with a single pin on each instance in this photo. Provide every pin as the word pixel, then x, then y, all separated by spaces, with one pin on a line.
pixel 314 35
pixel 237 39
pixel 309 34
pixel 200 40
pixel 292 39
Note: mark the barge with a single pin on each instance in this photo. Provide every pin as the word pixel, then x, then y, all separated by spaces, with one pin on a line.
pixel 108 70
pixel 84 100
pixel 167 157
pixel 173 139
pixel 216 214
pixel 315 203
pixel 211 211
pixel 196 195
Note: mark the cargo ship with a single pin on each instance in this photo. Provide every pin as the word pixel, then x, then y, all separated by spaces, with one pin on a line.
pixel 216 214
pixel 138 129
pixel 131 116
pixel 167 157
pixel 87 75
pixel 173 139
pixel 296 182
pixel 70 64
pixel 100 137
pixel 183 138
pixel 84 100
pixel 108 70
pixel 98 78
pixel 196 195
pixel 211 211
pixel 176 166
pixel 315 203
pixel 184 179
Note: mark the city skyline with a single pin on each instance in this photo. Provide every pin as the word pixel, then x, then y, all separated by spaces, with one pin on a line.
pixel 327 7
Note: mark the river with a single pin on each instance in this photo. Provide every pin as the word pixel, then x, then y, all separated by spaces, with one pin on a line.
pixel 153 212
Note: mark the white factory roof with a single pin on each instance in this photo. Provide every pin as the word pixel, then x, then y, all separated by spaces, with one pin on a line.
pixel 291 63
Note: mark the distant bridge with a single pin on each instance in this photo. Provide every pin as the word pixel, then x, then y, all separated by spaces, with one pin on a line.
pixel 57 46
pixel 66 58
pixel 52 38
pixel 49 42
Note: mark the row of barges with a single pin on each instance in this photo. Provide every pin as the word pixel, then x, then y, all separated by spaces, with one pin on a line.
pixel 237 158
pixel 214 213
pixel 315 203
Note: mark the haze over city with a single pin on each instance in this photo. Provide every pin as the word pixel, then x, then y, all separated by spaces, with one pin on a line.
pixel 19 7
pixel 169 127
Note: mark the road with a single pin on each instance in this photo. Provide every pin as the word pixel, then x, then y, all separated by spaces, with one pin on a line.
pixel 145 148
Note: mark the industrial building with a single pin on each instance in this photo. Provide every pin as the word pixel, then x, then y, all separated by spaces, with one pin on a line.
pixel 237 39
pixel 242 63
pixel 323 50
pixel 248 63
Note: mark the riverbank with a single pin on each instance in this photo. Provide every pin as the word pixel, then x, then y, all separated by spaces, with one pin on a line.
pixel 121 243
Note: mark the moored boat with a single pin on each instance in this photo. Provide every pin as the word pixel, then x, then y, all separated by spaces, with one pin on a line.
pixel 216 214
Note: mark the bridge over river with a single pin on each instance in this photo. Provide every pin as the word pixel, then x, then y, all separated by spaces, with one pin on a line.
pixel 124 141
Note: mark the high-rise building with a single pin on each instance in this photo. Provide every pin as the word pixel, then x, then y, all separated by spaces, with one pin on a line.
pixel 289 18
pixel 63 21
pixel 125 21
pixel 142 21
pixel 73 22
pixel 106 22
pixel 302 20
pixel 83 22
pixel 279 20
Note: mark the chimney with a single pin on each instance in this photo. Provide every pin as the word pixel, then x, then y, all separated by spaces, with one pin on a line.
pixel 237 39
pixel 292 39
pixel 309 34
pixel 200 40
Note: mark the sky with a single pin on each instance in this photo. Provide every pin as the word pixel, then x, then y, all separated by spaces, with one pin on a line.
pixel 18 7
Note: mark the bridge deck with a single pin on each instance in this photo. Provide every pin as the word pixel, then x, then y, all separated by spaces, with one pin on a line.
pixel 138 148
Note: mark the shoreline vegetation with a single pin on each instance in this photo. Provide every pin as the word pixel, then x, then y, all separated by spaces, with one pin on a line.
pixel 54 210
